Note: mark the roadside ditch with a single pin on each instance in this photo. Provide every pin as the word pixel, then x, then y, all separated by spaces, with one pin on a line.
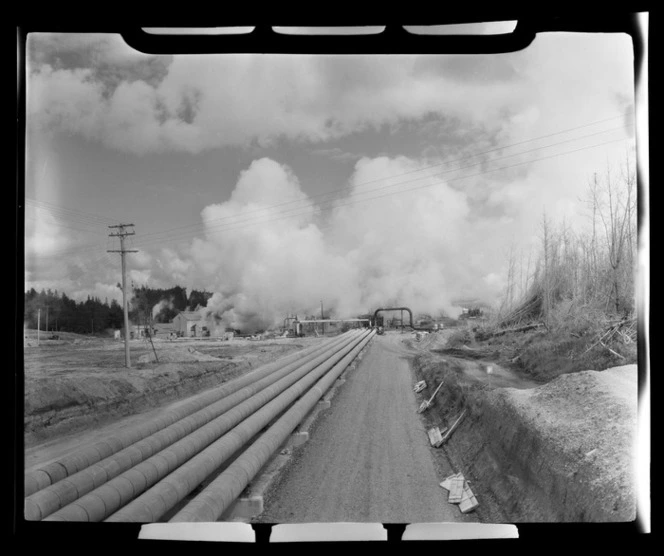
pixel 560 451
pixel 61 405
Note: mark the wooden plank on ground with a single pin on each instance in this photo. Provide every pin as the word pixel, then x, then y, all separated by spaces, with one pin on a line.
pixel 426 404
pixel 446 484
pixel 468 500
pixel 419 386
pixel 435 437
pixel 456 490
pixel 454 426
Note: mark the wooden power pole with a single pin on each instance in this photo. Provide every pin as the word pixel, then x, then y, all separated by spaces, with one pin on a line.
pixel 122 233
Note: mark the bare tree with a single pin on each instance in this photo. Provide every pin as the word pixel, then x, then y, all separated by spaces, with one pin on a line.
pixel 546 245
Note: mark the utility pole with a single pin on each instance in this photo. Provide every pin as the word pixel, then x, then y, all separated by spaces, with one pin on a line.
pixel 322 324
pixel 38 324
pixel 122 234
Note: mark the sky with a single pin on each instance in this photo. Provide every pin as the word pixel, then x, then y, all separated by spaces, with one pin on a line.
pixel 278 182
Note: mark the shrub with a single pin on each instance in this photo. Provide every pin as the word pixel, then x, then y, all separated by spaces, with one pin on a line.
pixel 462 336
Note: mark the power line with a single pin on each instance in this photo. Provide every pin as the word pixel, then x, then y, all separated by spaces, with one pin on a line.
pixel 61 225
pixel 167 235
pixel 286 214
pixel 233 225
pixel 457 178
pixel 69 212
pixel 72 217
pixel 486 172
pixel 344 188
pixel 423 186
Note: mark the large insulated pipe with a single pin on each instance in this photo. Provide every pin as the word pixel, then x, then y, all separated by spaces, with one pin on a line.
pixel 45 475
pixel 217 497
pixel 110 497
pixel 175 487
pixel 50 499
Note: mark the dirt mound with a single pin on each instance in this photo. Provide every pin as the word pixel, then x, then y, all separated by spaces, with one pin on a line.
pixel 562 451
pixel 583 429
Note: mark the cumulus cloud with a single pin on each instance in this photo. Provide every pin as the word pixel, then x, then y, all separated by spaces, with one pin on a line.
pixel 99 87
pixel 146 107
pixel 171 268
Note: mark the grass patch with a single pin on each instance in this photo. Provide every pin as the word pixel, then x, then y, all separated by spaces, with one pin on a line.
pixel 460 337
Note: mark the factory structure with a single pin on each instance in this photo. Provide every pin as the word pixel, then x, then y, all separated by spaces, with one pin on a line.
pixel 192 324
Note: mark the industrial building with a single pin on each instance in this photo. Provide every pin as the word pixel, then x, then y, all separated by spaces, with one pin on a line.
pixel 189 324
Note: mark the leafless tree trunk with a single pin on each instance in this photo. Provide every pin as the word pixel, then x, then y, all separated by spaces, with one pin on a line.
pixel 545 245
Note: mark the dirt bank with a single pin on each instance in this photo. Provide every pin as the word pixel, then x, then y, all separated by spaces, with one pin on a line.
pixel 560 451
pixel 81 383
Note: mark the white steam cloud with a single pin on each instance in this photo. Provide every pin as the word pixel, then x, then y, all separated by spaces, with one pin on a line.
pixel 375 248
pixel 159 307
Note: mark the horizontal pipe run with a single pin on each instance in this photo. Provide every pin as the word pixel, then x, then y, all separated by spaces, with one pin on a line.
pixel 48 500
pixel 218 496
pixel 37 479
pixel 142 476
pixel 175 487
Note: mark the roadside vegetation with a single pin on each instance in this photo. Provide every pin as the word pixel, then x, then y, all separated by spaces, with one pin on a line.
pixel 571 306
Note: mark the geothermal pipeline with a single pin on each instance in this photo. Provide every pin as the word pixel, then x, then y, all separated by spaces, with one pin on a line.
pixel 146 471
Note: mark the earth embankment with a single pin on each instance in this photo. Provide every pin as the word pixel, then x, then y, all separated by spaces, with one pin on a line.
pixel 560 451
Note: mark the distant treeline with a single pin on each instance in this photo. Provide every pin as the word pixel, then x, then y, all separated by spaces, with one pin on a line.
pixel 56 311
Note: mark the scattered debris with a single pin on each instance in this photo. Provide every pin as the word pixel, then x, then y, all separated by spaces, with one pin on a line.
pixel 419 386
pixel 451 429
pixel 469 353
pixel 591 453
pixel 446 483
pixel 468 500
pixel 456 490
pixel 614 352
pixel 435 436
pixel 460 492
pixel 529 310
pixel 629 335
pixel 518 329
pixel 426 404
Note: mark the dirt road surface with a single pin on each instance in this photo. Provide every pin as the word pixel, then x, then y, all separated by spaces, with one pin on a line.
pixel 368 459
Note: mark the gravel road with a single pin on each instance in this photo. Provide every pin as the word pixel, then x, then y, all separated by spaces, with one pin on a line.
pixel 368 458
